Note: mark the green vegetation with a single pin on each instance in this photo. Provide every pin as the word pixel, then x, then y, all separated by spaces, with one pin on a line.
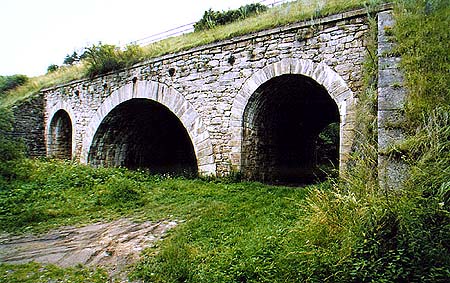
pixel 8 83
pixel 212 18
pixel 345 230
pixel 34 85
pixel 104 58
pixel 225 223
pixel 11 149
pixel 34 272
pixel 423 38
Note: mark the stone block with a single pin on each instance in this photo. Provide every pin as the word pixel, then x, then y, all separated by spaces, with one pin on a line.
pixel 391 118
pixel 392 172
pixel 391 97
pixel 388 137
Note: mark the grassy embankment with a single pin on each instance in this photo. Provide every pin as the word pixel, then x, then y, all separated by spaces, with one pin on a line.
pixel 342 231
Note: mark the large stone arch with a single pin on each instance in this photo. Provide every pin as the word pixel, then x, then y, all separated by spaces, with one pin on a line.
pixel 169 98
pixel 57 108
pixel 319 72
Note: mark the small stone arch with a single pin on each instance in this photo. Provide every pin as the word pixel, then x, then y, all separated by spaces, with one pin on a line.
pixel 319 72
pixel 60 131
pixel 168 97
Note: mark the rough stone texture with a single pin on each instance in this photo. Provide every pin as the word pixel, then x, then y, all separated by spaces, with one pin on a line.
pixel 209 87
pixel 392 171
pixel 111 245
pixel 29 125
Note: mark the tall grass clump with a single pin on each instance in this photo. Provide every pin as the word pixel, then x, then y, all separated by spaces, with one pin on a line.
pixel 104 58
pixel 355 232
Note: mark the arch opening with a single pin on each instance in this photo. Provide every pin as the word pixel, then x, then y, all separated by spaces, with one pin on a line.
pixel 290 132
pixel 141 133
pixel 60 136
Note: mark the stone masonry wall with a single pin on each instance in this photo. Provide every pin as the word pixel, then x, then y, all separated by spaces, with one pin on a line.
pixel 392 171
pixel 209 78
pixel 29 125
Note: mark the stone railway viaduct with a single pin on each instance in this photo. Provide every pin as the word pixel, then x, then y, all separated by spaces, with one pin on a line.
pixel 254 103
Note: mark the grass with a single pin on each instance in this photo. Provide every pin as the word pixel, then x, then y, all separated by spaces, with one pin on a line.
pixel 281 15
pixel 277 16
pixel 58 193
pixel 35 84
pixel 342 231
pixel 230 230
pixel 34 272
pixel 423 38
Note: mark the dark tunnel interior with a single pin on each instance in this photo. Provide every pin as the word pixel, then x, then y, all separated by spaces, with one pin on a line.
pixel 144 134
pixel 291 132
pixel 60 136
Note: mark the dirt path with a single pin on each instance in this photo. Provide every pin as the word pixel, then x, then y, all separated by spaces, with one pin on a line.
pixel 111 245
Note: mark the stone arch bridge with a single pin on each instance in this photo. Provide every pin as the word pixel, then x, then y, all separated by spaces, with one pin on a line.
pixel 254 103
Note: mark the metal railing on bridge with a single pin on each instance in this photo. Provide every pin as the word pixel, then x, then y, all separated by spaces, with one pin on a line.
pixel 188 28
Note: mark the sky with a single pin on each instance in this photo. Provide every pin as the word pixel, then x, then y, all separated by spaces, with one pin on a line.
pixel 38 33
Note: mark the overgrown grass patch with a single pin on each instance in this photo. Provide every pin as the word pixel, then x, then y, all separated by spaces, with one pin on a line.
pixel 227 231
pixel 241 236
pixel 34 272
pixel 57 193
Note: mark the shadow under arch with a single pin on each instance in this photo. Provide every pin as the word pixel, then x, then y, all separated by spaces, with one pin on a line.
pixel 282 78
pixel 173 102
pixel 60 135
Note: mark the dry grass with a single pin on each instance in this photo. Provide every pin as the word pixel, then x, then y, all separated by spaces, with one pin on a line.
pixel 35 84
pixel 278 16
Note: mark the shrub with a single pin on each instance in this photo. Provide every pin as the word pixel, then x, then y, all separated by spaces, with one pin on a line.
pixel 52 68
pixel 74 58
pixel 104 58
pixel 11 82
pixel 212 18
